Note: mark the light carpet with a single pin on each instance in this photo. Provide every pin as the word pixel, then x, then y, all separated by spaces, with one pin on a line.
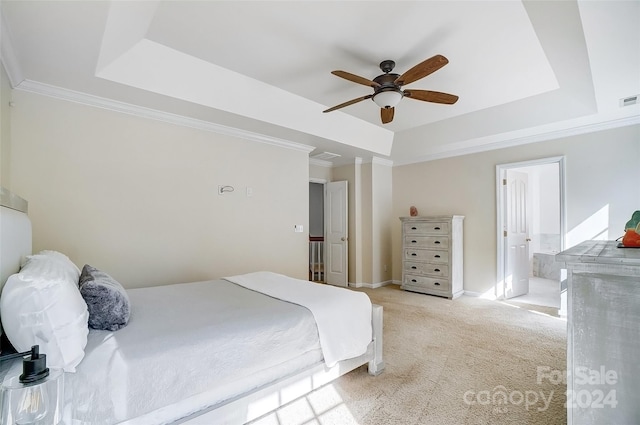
pixel 466 361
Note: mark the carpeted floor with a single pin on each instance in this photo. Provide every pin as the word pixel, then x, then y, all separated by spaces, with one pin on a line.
pixel 467 361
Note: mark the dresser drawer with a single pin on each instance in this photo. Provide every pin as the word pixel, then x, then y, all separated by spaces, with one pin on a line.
pixel 436 242
pixel 428 255
pixel 438 270
pixel 431 228
pixel 428 283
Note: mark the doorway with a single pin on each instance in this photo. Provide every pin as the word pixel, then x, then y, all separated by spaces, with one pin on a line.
pixel 328 232
pixel 316 231
pixel 531 230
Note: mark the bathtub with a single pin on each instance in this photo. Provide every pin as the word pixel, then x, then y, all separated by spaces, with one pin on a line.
pixel 545 266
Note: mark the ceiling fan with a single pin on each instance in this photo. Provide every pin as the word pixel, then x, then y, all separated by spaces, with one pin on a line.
pixel 387 91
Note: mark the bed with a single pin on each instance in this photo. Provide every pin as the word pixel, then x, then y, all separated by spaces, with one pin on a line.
pixel 225 351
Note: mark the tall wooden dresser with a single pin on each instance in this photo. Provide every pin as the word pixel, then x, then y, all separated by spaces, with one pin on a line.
pixel 603 333
pixel 432 255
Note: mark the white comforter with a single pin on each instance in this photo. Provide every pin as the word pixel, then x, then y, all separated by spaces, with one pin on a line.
pixel 186 347
pixel 343 316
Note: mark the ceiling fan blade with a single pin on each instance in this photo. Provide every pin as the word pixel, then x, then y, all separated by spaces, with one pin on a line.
pixel 356 79
pixel 387 115
pixel 431 96
pixel 350 102
pixel 422 69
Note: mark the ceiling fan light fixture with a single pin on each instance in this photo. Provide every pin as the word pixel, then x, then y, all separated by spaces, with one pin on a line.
pixel 388 98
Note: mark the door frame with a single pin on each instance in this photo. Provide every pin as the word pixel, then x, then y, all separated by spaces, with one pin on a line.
pixel 500 212
pixel 323 182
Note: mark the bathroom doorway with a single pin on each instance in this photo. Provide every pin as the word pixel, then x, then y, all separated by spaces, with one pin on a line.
pixel 542 209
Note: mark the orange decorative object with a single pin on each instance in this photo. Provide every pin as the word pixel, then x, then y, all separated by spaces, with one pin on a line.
pixel 631 238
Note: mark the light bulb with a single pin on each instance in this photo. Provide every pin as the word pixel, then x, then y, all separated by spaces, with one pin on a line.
pixel 388 98
pixel 31 406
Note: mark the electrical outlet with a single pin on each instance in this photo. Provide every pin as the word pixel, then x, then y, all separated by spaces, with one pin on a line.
pixel 298 228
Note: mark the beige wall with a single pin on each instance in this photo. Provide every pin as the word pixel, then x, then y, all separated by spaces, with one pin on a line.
pixel 382 221
pixel 138 198
pixel 602 172
pixel 376 198
pixel 318 172
pixel 366 198
pixel 370 210
pixel 5 129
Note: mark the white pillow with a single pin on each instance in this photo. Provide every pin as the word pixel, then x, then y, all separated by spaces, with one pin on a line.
pixel 42 305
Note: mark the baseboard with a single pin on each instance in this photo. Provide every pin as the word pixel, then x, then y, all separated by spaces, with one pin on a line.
pixel 371 285
pixel 473 294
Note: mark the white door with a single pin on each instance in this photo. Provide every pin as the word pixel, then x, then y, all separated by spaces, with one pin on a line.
pixel 516 235
pixel 335 241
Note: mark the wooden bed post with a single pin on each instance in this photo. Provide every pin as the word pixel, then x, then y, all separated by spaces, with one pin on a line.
pixel 376 364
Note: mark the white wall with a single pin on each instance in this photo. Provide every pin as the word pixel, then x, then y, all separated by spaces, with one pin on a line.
pixel 543 207
pixel 138 198
pixel 549 199
pixel 5 130
pixel 602 174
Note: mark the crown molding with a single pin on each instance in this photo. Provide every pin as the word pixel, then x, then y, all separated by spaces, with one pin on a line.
pixel 8 56
pixel 540 137
pixel 154 114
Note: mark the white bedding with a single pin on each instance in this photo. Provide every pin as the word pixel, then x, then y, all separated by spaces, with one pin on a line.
pixel 188 346
pixel 343 316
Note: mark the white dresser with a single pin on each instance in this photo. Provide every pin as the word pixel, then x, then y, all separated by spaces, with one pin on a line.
pixel 432 255
pixel 603 333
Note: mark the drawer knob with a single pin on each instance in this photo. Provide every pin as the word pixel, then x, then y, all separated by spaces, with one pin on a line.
pixel 414 281
pixel 413 254
pixel 414 228
pixel 436 228
pixel 437 283
pixel 414 241
pixel 414 267
pixel 436 270
pixel 436 256
pixel 437 242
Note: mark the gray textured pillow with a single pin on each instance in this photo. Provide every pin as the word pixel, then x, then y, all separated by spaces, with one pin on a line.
pixel 107 301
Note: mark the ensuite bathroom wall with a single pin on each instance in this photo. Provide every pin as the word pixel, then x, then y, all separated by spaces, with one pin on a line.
pixel 544 203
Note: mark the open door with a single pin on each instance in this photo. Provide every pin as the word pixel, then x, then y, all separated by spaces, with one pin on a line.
pixel 336 241
pixel 516 235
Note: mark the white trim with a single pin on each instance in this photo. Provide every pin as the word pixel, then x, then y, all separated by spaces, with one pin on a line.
pixel 541 137
pixel 320 163
pixel 472 294
pixel 8 56
pixel 154 114
pixel 370 285
pixel 500 209
pixel 320 181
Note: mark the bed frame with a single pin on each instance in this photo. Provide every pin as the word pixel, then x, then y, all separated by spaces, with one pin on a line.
pixel 15 244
